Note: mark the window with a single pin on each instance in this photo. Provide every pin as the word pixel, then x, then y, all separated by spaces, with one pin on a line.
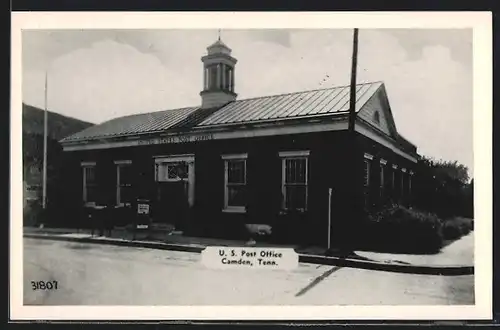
pixel 235 178
pixel 403 176
pixel 172 171
pixel 179 169
pixel 124 194
pixel 89 183
pixel 366 177
pixel 294 180
pixel 382 177
pixel 394 168
pixel 366 173
pixel 376 117
pixel 409 183
pixel 367 161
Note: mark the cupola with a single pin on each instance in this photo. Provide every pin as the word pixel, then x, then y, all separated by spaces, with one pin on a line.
pixel 218 76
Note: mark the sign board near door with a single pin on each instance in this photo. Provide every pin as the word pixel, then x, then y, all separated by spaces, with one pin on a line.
pixel 143 209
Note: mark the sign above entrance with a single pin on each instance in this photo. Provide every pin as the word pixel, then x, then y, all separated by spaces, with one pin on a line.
pixel 177 139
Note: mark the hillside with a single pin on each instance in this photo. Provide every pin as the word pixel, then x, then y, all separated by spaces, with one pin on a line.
pixel 59 126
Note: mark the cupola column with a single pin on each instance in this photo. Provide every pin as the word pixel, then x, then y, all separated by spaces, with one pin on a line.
pixel 218 76
pixel 232 80
pixel 223 73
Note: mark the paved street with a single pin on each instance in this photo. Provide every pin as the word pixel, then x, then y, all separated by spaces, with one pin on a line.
pixel 92 274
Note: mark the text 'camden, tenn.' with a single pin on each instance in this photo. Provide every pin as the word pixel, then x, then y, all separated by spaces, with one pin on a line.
pixel 249 257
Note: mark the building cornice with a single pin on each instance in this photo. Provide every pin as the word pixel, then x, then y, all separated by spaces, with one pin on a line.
pixel 201 134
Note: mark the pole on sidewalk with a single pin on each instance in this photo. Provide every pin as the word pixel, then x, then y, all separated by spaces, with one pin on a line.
pixel 329 217
pixel 44 187
pixel 352 199
pixel 351 157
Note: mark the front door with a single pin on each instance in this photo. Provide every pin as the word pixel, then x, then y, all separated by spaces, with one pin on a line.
pixel 175 188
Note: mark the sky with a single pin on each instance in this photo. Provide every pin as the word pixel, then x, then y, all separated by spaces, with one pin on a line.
pixel 97 75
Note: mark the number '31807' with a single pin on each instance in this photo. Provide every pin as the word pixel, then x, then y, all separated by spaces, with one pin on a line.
pixel 44 285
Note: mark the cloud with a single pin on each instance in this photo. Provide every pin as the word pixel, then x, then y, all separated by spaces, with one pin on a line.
pixel 458 41
pixel 98 75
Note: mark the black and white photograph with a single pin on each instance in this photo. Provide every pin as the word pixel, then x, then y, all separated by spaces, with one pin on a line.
pixel 242 165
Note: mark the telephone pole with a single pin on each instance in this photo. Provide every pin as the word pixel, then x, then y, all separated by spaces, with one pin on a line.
pixel 352 202
pixel 352 100
pixel 44 188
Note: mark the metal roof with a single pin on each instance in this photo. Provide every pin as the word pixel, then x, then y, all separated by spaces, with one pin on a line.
pixel 134 124
pixel 293 105
pixel 268 108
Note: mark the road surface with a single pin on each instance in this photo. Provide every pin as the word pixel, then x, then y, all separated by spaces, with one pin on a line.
pixel 93 274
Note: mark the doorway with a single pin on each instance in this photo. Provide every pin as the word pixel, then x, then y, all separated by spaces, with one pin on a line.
pixel 174 177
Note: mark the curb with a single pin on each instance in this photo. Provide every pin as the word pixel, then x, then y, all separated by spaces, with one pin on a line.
pixel 139 244
pixel 304 258
pixel 394 268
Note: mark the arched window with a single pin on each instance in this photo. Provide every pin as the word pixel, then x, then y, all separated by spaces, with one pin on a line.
pixel 376 117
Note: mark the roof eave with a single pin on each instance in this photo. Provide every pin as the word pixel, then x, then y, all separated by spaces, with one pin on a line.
pixel 215 128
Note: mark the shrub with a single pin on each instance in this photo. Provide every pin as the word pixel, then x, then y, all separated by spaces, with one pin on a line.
pixel 457 227
pixel 399 229
pixel 223 227
pixel 32 213
pixel 290 228
pixel 230 229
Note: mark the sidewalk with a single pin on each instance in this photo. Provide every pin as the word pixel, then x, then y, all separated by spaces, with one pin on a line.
pixel 415 264
pixel 458 253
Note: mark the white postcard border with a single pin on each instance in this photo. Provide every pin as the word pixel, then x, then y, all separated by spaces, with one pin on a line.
pixel 482 46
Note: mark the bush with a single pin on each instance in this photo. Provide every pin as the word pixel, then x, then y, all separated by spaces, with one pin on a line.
pixel 290 228
pixel 32 213
pixel 398 229
pixel 227 226
pixel 230 229
pixel 457 227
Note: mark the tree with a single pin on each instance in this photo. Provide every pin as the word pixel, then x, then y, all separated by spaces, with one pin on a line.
pixel 453 170
pixel 443 188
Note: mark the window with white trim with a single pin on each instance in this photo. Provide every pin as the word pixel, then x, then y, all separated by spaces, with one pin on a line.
pixel 235 181
pixel 366 173
pixel 382 178
pixel 89 183
pixel 124 194
pixel 294 182
pixel 402 182
pixel 394 168
pixel 366 170
pixel 366 177
pixel 409 183
pixel 177 169
pixel 172 171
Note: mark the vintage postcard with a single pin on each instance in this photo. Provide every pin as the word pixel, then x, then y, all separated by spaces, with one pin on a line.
pixel 291 166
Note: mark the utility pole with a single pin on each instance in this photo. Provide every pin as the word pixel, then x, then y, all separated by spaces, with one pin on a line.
pixel 350 201
pixel 44 193
pixel 352 154
pixel 352 100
